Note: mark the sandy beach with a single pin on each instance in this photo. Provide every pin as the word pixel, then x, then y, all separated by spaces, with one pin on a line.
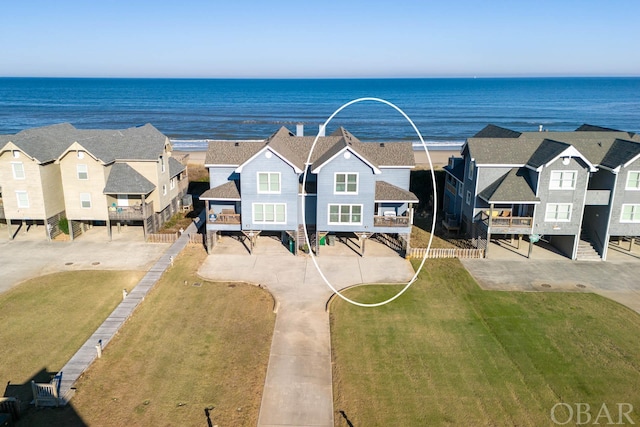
pixel 438 158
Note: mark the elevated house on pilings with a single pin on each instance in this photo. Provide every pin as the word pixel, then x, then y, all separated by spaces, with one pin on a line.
pixel 578 190
pixel 351 188
pixel 89 177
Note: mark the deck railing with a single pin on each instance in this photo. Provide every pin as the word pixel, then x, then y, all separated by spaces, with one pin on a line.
pixel 390 221
pixel 130 213
pixel 451 188
pixel 223 218
pixel 510 221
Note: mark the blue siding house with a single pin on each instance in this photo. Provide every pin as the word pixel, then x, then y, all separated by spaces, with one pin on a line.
pixel 577 190
pixel 353 187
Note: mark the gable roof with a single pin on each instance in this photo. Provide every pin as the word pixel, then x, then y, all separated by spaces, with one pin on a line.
pixel 512 187
pixel 493 131
pixel 295 150
pixel 533 148
pixel 386 192
pixel 621 153
pixel 49 143
pixel 123 179
pixel 230 190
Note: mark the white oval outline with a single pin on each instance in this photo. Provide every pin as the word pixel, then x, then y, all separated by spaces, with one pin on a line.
pixel 435 203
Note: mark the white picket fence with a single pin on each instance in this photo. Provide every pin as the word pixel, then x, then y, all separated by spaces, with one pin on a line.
pixel 446 253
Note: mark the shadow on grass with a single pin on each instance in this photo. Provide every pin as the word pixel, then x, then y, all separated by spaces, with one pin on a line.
pixel 344 415
pixel 28 415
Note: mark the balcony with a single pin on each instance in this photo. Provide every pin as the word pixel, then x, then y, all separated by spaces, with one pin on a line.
pixel 509 224
pixel 227 216
pixel 391 221
pixel 451 188
pixel 130 213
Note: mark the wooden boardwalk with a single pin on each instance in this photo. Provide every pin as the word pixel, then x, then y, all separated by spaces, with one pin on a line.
pixel 85 356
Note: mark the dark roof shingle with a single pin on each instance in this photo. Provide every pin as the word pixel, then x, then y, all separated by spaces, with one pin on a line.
pixel 123 179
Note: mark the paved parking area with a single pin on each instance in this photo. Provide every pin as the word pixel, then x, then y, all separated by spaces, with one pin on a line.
pixel 30 255
pixel 298 387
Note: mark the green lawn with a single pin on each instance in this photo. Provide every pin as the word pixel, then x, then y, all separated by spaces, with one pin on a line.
pixel 185 350
pixel 45 320
pixel 448 353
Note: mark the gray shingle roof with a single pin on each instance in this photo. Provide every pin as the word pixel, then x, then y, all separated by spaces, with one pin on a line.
pixel 528 147
pixel 296 149
pixel 546 151
pixel 389 192
pixel 493 131
pixel 49 142
pixel 123 179
pixel 227 191
pixel 175 167
pixel 620 153
pixel 511 187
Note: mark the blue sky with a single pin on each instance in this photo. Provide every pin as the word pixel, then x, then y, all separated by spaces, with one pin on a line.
pixel 283 38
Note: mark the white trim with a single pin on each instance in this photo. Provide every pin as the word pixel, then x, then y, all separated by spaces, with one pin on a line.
pixel 13 170
pixel 346 183
pixel 376 171
pixel 633 159
pixel 340 213
pixel 500 165
pixel 164 189
pixel 571 151
pixel 264 221
pixel 269 191
pixel 172 182
pixel 397 167
pixel 220 198
pixel 626 183
pixel 396 201
pixel 460 189
pixel 85 197
pixel 555 212
pixel 635 212
pixel 284 159
pixel 561 179
pixel 208 165
pixel 18 193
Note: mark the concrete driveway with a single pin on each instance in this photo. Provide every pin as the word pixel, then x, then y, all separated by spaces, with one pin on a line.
pixel 618 280
pixel 298 387
pixel 31 255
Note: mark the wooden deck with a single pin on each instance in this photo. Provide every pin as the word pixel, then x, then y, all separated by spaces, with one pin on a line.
pixel 85 356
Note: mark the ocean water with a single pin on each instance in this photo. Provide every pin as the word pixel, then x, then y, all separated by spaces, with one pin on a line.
pixel 446 111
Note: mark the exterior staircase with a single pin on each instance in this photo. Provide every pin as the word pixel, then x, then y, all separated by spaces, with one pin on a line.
pixel 586 250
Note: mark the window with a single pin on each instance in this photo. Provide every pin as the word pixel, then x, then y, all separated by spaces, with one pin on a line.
pixel 633 180
pixel 162 164
pixel 83 172
pixel 172 183
pixel 630 213
pixel 269 182
pixel 18 170
pixel 346 183
pixel 563 180
pixel 23 199
pixel 558 212
pixel 345 214
pixel 164 189
pixel 470 170
pixel 85 200
pixel 269 213
pixel 468 197
pixel 460 190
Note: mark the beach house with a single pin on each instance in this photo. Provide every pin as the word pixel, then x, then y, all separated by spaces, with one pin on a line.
pixel 351 188
pixel 89 178
pixel 576 190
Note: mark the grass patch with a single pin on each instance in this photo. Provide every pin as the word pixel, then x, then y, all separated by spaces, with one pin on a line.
pixel 186 349
pixel 448 353
pixel 47 319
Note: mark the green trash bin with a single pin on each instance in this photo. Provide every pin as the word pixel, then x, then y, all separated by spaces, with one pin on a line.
pixel 323 240
pixel 292 246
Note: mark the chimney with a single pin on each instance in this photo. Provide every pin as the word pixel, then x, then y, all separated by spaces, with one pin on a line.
pixel 321 130
pixel 300 129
